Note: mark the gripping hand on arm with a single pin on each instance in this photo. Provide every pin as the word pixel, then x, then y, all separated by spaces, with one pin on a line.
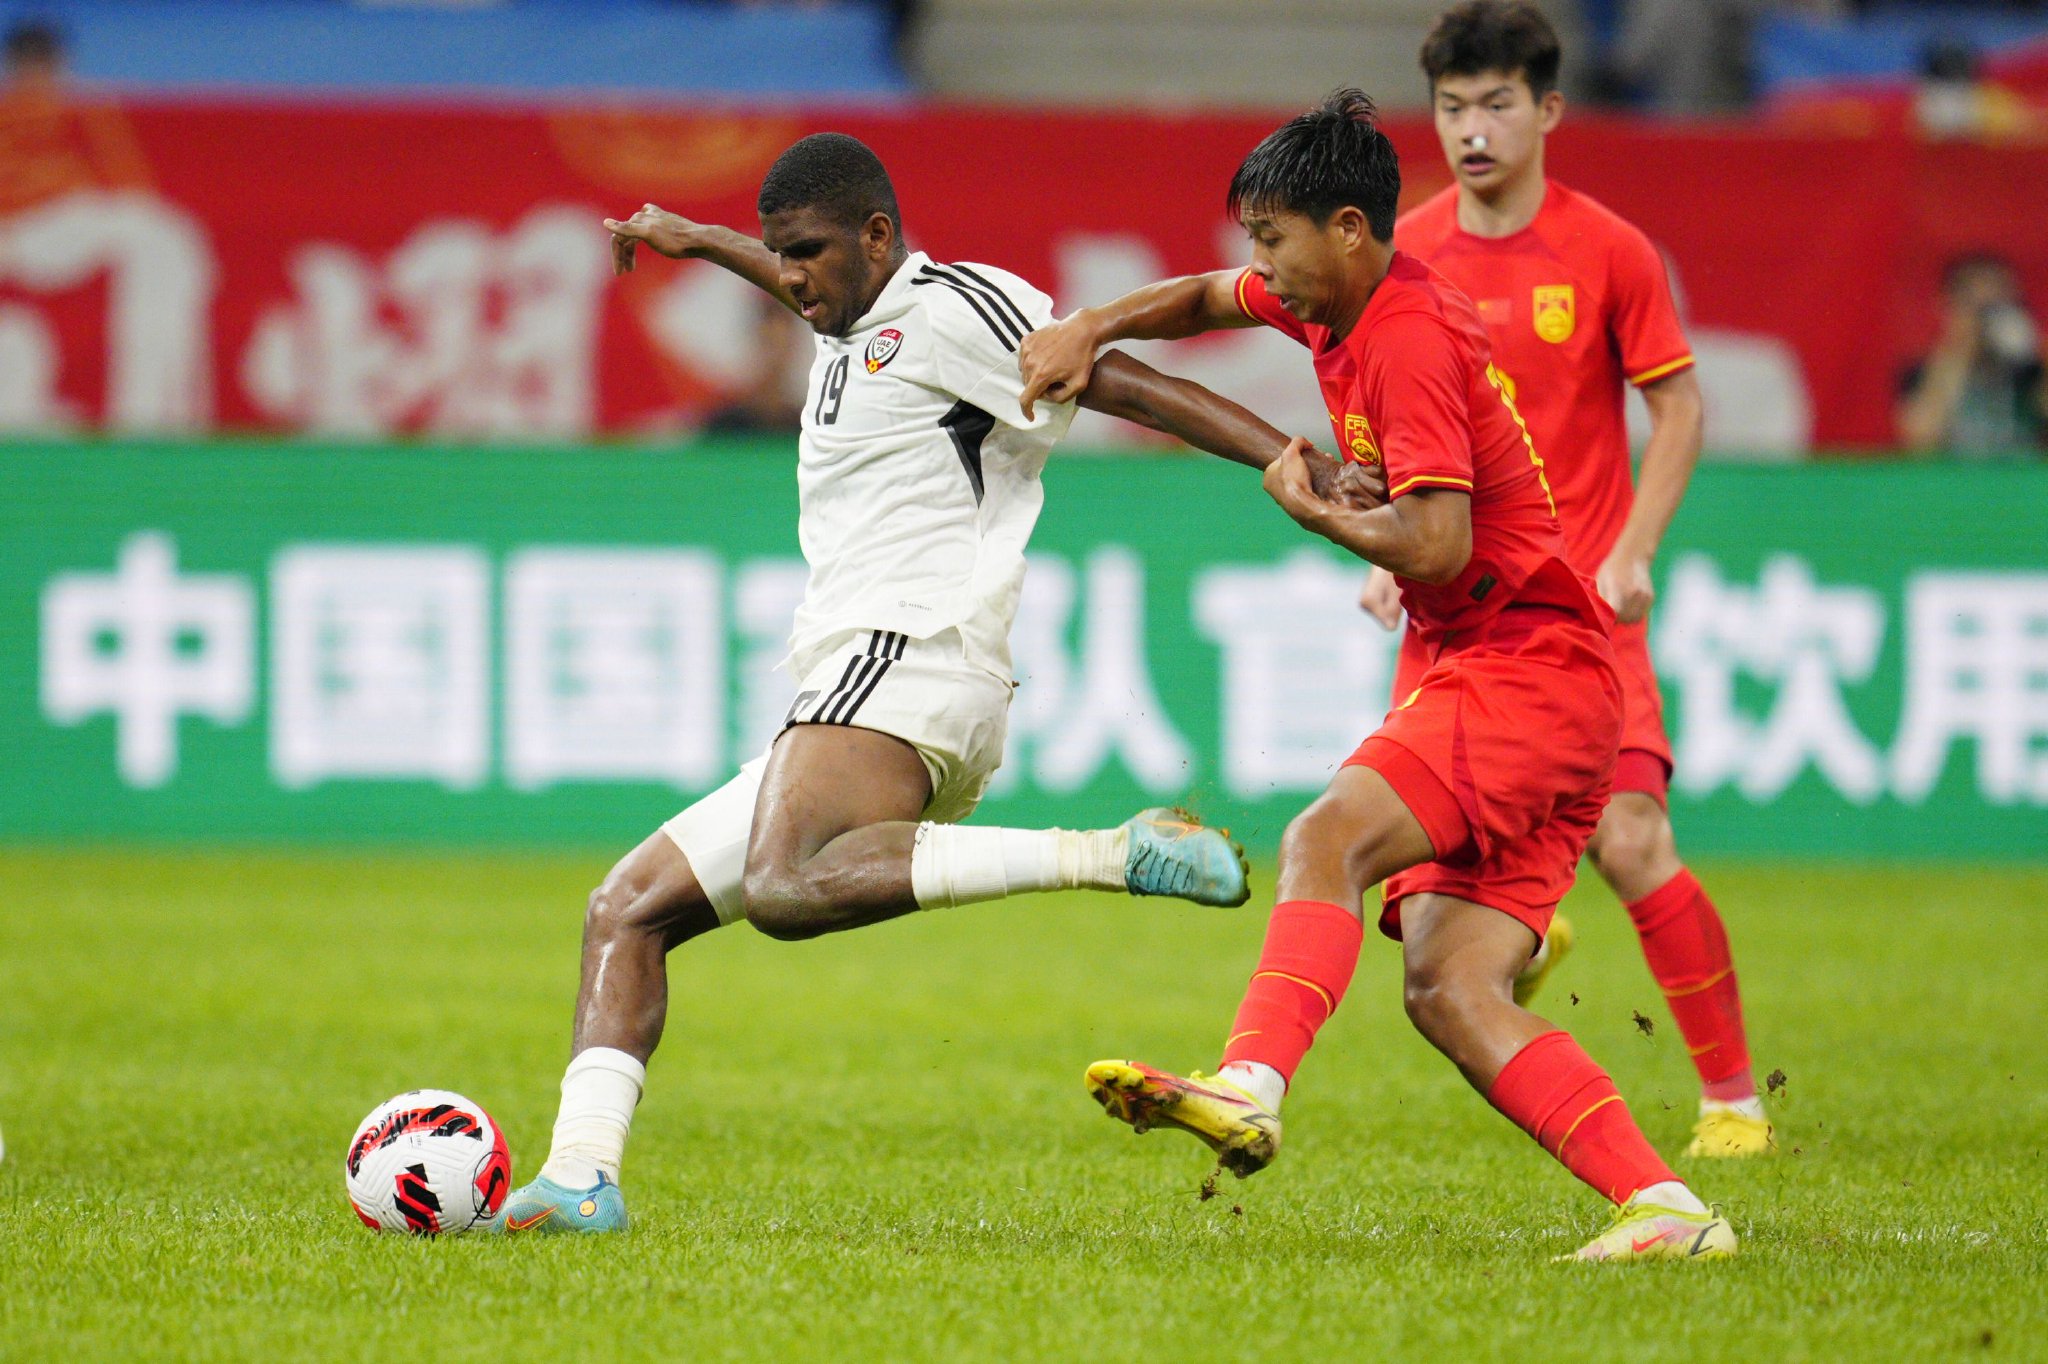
pixel 1131 389
pixel 1059 360
pixel 1426 535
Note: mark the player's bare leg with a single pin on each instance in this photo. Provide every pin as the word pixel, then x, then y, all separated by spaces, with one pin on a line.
pixel 1686 946
pixel 648 905
pixel 1355 835
pixel 834 829
pixel 1459 964
pixel 837 844
pixel 1459 961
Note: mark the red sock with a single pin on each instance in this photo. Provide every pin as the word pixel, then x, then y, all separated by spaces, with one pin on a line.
pixel 1687 949
pixel 1556 1093
pixel 1311 951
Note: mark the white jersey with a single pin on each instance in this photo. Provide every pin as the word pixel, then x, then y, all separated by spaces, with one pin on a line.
pixel 917 474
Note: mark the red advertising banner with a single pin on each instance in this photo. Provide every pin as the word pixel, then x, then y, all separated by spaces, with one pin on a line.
pixel 373 269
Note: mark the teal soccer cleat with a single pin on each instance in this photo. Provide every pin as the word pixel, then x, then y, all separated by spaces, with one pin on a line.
pixel 1171 853
pixel 546 1206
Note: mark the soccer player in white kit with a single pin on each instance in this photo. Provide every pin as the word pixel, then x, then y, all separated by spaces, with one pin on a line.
pixel 918 486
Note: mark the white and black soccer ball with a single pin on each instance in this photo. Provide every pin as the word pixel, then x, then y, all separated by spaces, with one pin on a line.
pixel 428 1162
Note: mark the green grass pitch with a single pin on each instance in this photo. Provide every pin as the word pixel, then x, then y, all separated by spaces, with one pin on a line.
pixel 877 1146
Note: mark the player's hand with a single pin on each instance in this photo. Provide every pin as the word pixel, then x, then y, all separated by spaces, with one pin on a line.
pixel 1289 482
pixel 669 233
pixel 1056 361
pixel 1381 598
pixel 1624 582
pixel 1324 473
pixel 1358 486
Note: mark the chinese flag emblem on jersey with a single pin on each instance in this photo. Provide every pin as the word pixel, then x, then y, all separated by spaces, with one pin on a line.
pixel 1358 439
pixel 1555 314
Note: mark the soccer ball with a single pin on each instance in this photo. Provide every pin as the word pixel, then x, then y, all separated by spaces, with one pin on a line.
pixel 429 1162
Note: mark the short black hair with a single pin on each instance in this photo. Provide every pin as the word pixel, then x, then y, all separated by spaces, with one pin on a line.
pixel 835 174
pixel 1508 36
pixel 1329 158
pixel 34 40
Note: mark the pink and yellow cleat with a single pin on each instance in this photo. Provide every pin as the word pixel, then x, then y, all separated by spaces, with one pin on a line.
pixel 1244 1136
pixel 1644 1231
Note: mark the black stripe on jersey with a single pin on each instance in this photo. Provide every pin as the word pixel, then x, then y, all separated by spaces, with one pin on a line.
pixel 996 295
pixel 1004 332
pixel 1012 317
pixel 969 426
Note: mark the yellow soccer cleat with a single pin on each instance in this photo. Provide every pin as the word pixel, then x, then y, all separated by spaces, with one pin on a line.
pixel 1644 1231
pixel 1722 1133
pixel 1557 944
pixel 1244 1136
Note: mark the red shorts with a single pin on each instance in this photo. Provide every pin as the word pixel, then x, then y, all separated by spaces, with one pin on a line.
pixel 1645 762
pixel 1504 750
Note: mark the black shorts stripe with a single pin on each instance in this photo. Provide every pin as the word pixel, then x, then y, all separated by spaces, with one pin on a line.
pixel 874 680
pixel 838 688
pixel 849 700
pixel 1016 314
pixel 863 671
pixel 1004 332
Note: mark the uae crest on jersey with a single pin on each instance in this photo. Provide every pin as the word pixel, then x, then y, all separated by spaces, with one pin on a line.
pixel 1555 313
pixel 883 348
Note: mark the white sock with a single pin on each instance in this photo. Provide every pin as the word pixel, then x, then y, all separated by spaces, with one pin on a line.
pixel 1752 1107
pixel 599 1091
pixel 951 865
pixel 1259 1080
pixel 1670 1194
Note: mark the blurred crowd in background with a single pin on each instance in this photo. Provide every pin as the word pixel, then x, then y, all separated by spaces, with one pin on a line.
pixel 1973 74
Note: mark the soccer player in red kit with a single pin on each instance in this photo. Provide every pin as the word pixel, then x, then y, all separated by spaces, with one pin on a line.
pixel 1577 304
pixel 1475 798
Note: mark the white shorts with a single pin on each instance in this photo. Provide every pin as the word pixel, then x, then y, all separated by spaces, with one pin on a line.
pixel 922 691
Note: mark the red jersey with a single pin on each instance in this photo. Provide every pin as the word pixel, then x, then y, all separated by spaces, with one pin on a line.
pixel 1412 388
pixel 1575 304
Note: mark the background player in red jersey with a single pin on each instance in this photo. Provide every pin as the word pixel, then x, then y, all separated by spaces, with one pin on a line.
pixel 1577 305
pixel 1475 798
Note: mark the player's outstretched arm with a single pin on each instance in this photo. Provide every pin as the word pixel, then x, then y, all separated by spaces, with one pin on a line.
pixel 1181 408
pixel 678 238
pixel 1426 535
pixel 1057 360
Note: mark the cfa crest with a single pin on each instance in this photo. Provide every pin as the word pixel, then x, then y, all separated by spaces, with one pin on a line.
pixel 1358 441
pixel 883 348
pixel 1555 313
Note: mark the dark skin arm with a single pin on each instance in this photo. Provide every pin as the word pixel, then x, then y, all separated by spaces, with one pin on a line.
pixel 679 238
pixel 1131 389
pixel 1426 535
